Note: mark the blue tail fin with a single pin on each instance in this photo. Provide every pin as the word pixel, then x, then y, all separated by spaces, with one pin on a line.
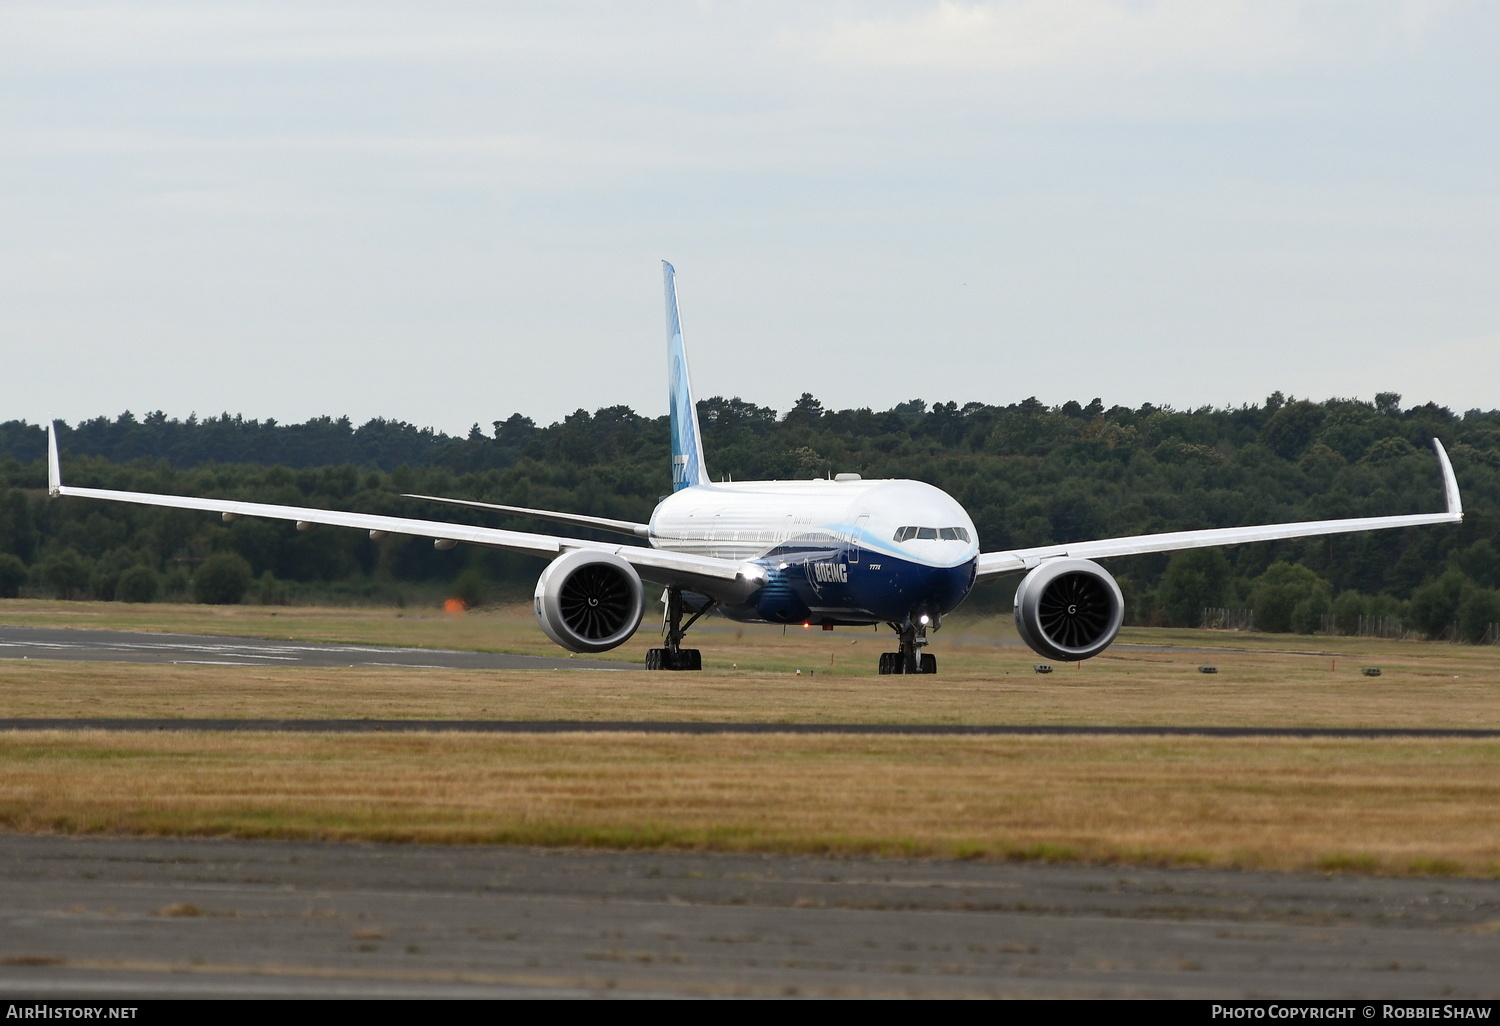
pixel 687 439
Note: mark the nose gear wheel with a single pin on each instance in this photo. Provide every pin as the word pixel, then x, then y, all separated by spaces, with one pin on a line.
pixel 910 658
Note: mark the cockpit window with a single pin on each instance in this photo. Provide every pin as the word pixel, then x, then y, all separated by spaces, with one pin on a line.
pixel 932 533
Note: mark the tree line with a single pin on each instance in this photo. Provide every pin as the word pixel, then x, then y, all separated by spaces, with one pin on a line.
pixel 1028 474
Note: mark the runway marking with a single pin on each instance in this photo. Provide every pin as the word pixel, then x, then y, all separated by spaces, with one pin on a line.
pixel 91 645
pixel 330 726
pixel 214 662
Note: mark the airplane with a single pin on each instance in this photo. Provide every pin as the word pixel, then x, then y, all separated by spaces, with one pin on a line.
pixel 842 551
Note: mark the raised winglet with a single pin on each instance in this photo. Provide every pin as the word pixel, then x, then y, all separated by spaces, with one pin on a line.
pixel 54 470
pixel 992 564
pixel 1450 483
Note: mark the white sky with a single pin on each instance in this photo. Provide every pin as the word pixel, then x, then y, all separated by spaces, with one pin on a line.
pixel 449 212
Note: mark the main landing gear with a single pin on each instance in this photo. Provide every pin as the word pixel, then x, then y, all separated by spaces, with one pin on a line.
pixel 910 658
pixel 674 656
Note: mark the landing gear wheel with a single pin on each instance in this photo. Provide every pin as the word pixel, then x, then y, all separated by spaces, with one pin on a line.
pixel 673 657
pixel 666 659
pixel 910 658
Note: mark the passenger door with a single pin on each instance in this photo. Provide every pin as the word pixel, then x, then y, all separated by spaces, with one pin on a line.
pixel 851 554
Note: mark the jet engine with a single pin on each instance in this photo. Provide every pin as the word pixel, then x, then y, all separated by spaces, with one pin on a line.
pixel 589 601
pixel 1069 609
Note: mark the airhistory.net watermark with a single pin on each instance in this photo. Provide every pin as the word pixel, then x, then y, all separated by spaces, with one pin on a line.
pixel 47 1011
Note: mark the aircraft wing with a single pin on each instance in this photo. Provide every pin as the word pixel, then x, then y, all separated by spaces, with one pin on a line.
pixel 705 573
pixel 993 564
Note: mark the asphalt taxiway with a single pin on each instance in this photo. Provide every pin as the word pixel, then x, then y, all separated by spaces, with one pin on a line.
pixel 140 918
pixel 86 645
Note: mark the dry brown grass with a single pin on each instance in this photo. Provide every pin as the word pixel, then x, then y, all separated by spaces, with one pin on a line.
pixel 1402 806
pixel 1130 688
pixel 1387 806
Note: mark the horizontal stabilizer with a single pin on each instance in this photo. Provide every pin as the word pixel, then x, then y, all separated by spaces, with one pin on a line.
pixel 601 523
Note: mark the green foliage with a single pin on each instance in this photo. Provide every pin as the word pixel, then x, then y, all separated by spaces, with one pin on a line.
pixel 471 588
pixel 1347 609
pixel 222 579
pixel 1308 613
pixel 1434 606
pixel 1478 562
pixel 66 573
pixel 138 584
pixel 268 591
pixel 1292 428
pixel 1194 579
pixel 1287 598
pixel 13 574
pixel 1388 451
pixel 1479 608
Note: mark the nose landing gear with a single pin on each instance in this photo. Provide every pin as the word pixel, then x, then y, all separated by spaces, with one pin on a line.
pixel 910 658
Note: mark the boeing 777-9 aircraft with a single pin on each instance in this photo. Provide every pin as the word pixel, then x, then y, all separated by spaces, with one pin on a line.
pixel 840 552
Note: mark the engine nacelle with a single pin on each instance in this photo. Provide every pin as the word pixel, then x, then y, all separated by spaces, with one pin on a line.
pixel 589 601
pixel 1069 609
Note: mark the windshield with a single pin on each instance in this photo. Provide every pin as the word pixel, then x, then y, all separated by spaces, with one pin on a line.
pixel 960 534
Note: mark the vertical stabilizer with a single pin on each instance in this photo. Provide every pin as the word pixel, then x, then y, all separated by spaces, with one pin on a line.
pixel 687 439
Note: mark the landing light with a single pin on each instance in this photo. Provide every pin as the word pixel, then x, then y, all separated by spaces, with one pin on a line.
pixel 752 573
pixel 924 619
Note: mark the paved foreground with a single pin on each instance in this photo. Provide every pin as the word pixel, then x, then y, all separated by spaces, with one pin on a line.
pixel 71 644
pixel 149 918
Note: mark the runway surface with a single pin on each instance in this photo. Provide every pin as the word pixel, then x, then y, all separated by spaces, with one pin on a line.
pixel 138 918
pixel 212 650
pixel 715 727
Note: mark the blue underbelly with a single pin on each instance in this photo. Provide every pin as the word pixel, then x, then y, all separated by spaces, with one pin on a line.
pixel 824 587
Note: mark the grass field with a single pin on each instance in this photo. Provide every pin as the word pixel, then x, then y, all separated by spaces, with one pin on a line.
pixel 1400 807
pixel 1383 806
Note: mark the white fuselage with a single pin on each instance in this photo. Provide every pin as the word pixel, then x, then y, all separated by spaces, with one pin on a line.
pixel 746 520
pixel 835 543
